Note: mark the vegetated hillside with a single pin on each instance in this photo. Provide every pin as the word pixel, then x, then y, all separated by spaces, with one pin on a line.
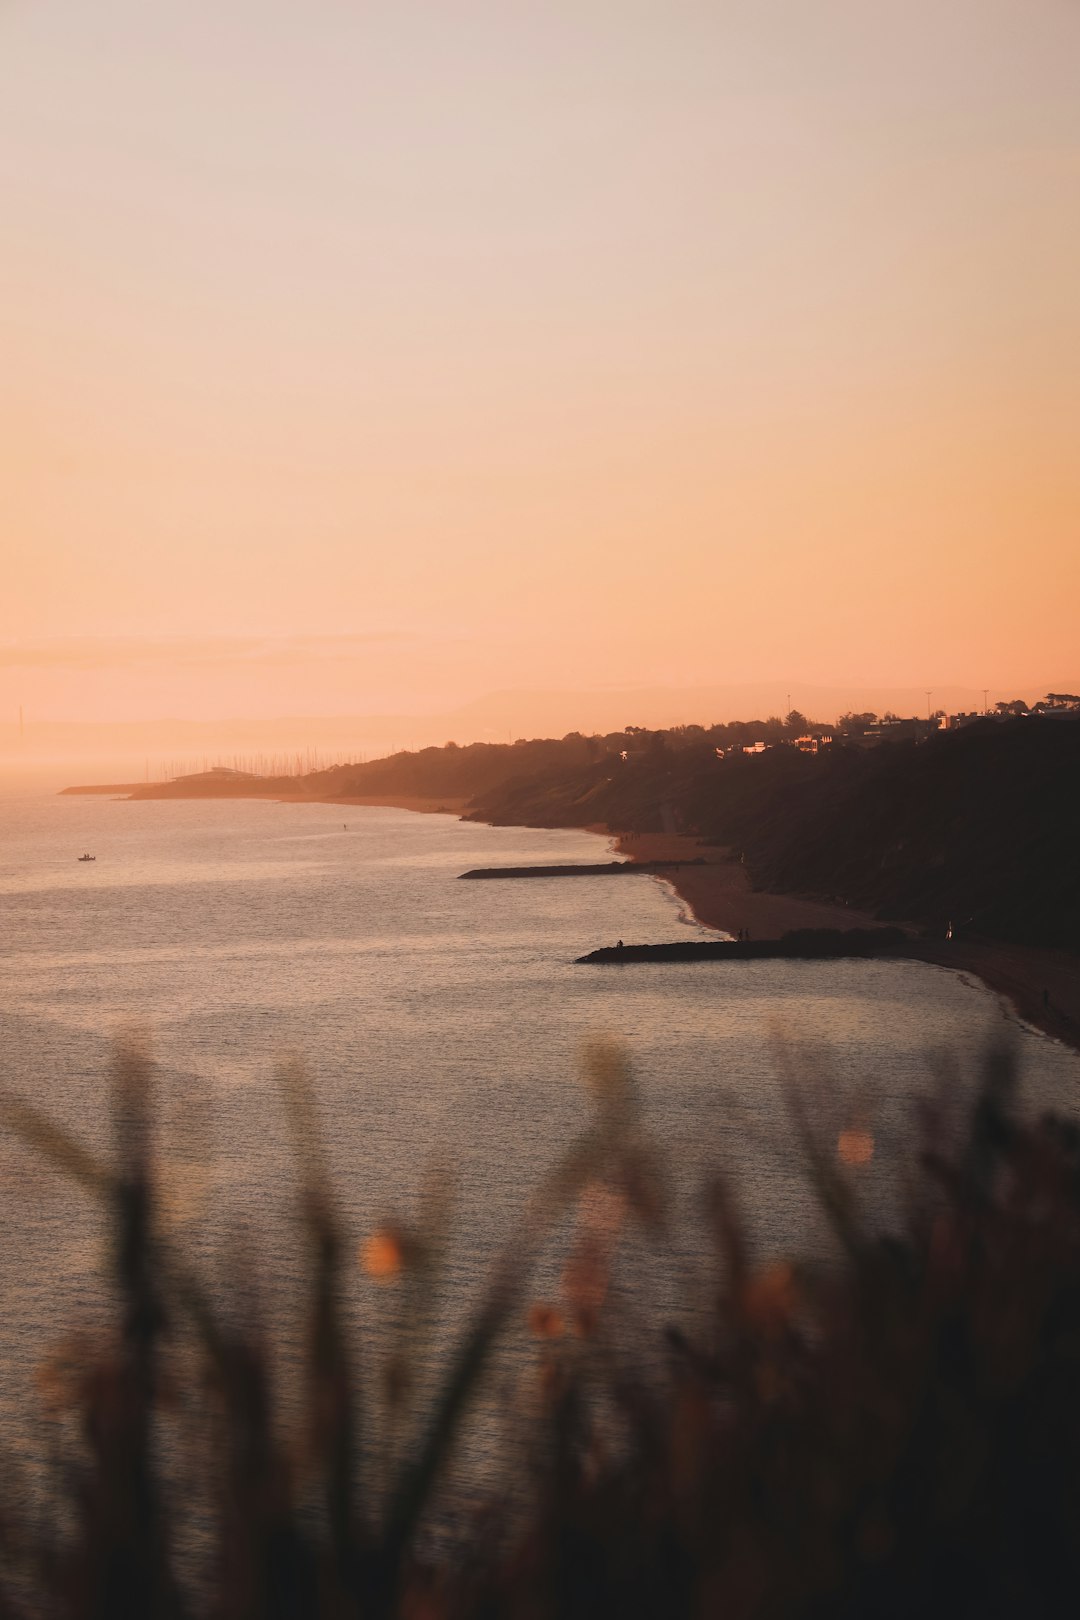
pixel 450 772
pixel 456 772
pixel 550 779
pixel 978 827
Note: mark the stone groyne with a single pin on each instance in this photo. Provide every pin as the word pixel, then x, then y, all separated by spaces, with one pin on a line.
pixel 596 869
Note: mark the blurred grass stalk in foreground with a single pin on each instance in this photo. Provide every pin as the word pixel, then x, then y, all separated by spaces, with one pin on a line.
pixel 898 1434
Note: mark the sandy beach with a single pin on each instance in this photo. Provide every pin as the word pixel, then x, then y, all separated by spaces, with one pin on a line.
pixel 720 895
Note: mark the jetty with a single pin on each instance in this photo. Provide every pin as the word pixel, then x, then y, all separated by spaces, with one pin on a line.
pixel 804 944
pixel 596 869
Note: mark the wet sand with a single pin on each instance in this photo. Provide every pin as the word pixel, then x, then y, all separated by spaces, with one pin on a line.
pixel 1042 986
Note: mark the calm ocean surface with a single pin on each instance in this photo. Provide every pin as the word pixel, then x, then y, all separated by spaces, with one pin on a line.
pixel 442 1024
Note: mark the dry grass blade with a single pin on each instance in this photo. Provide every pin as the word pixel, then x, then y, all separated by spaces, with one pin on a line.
pixel 62 1151
pixel 332 1415
pixel 914 1451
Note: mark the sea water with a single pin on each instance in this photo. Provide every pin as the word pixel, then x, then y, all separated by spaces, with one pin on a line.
pixel 442 1025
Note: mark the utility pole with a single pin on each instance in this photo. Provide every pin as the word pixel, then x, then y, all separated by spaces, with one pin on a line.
pixel 928 697
pixel 986 694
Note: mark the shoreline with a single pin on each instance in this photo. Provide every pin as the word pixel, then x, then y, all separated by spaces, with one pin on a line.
pixel 1039 986
pixel 139 793
pixel 720 896
pixel 388 801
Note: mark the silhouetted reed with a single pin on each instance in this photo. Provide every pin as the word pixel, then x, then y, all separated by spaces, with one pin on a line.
pixel 895 1434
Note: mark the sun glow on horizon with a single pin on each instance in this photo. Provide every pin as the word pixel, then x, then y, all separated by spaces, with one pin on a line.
pixel 376 359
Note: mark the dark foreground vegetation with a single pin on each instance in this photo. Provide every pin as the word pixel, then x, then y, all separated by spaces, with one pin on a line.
pixel 976 827
pixel 898 1436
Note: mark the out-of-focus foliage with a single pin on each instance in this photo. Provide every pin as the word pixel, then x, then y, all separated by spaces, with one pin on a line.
pixel 896 1435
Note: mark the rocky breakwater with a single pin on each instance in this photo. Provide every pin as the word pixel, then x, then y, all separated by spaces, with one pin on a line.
pixel 806 944
pixel 577 869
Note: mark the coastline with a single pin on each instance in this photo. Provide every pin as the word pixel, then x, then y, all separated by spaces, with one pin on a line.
pixel 1039 986
pixel 720 895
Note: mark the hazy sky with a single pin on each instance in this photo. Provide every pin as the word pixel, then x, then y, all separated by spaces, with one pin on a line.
pixel 375 353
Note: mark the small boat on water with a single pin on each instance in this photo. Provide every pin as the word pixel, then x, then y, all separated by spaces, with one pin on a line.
pixel 88 857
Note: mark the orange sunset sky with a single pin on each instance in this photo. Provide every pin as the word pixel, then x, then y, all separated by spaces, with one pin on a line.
pixel 372 355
